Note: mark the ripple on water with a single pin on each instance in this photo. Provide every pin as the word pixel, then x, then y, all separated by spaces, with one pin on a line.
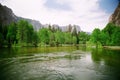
pixel 55 66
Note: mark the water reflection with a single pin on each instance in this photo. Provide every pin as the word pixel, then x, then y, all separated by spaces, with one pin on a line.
pixel 107 62
pixel 61 63
pixel 108 56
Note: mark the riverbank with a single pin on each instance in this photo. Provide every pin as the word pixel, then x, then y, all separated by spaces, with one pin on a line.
pixel 112 47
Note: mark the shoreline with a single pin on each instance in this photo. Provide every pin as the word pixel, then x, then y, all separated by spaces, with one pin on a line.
pixel 112 47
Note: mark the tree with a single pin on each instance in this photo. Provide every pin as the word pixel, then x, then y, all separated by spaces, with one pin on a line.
pixel 109 30
pixel 104 38
pixel 21 31
pixel 74 40
pixel 1 36
pixel 44 35
pixel 75 34
pixel 52 38
pixel 68 38
pixel 24 32
pixel 83 37
pixel 116 36
pixel 59 37
pixel 95 37
pixel 35 38
pixel 1 40
pixel 11 35
pixel 112 32
pixel 29 34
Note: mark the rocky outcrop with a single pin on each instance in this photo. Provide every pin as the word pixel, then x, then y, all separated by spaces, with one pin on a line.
pixel 71 28
pixel 115 17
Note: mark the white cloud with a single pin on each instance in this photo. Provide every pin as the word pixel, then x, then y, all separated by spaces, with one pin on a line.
pixel 85 13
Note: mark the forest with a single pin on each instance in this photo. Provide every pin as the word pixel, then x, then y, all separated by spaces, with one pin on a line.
pixel 23 34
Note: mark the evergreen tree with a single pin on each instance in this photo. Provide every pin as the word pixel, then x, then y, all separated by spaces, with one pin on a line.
pixel 11 35
pixel 95 37
pixel 44 35
pixel 59 37
pixel 116 36
pixel 35 38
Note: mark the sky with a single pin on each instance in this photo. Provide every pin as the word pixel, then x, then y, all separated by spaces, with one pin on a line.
pixel 88 14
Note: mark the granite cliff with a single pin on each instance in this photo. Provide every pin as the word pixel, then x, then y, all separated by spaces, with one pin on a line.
pixel 115 17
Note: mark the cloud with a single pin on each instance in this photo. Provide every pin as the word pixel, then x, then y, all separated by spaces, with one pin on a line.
pixel 57 5
pixel 86 13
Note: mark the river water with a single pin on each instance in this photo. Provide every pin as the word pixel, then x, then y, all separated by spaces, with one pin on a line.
pixel 59 63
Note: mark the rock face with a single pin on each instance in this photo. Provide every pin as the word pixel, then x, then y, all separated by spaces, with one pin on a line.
pixel 7 16
pixel 71 28
pixel 115 17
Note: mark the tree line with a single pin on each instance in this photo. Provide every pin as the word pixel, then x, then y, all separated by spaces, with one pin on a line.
pixel 22 33
pixel 18 33
pixel 109 36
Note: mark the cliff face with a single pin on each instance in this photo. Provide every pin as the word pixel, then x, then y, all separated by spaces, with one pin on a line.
pixel 7 16
pixel 115 17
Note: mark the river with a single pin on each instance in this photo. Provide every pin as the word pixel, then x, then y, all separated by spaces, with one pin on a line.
pixel 59 63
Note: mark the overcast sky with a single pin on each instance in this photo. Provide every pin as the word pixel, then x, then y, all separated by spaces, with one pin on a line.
pixel 88 14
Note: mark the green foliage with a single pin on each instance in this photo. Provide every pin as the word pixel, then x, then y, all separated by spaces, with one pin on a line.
pixel 74 40
pixel 52 38
pixel 35 38
pixel 22 31
pixel 1 40
pixel 11 35
pixel 110 35
pixel 113 34
pixel 25 33
pixel 104 38
pixel 68 38
pixel 44 35
pixel 95 37
pixel 109 28
pixel 59 37
pixel 75 34
pixel 29 33
pixel 3 34
pixel 116 36
pixel 83 37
